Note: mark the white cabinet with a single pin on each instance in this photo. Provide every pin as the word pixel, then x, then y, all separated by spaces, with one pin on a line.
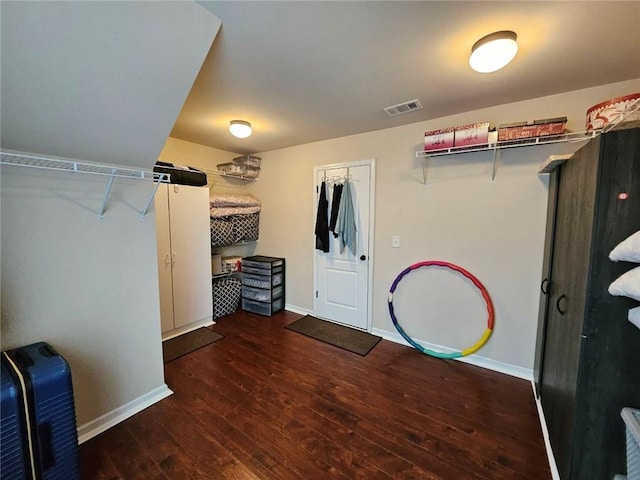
pixel 184 258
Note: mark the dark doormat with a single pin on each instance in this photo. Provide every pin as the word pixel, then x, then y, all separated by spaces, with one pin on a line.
pixel 187 343
pixel 347 338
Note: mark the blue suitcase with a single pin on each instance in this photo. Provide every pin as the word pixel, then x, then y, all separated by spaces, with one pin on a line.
pixel 44 378
pixel 13 464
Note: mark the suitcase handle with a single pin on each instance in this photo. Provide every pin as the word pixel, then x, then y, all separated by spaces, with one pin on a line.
pixel 48 351
pixel 23 358
pixel 45 442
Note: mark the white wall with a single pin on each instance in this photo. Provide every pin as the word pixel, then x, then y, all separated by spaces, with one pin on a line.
pixel 493 229
pixel 203 157
pixel 88 287
pixel 98 81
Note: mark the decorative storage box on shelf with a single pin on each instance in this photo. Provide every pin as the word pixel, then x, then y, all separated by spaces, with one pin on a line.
pixel 263 288
pixel 439 139
pixel 539 128
pixel 474 134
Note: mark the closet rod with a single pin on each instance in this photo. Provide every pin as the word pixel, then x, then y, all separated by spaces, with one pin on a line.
pixel 21 159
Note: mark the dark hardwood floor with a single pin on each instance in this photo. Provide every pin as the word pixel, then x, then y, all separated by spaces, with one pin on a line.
pixel 268 403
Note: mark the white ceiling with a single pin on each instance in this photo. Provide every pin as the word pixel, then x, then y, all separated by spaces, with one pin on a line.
pixel 307 71
pixel 89 80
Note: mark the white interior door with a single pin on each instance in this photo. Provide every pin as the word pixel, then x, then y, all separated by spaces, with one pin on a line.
pixel 191 254
pixel 343 279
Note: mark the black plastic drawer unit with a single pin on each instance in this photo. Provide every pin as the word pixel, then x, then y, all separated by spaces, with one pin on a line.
pixel 263 289
pixel 265 263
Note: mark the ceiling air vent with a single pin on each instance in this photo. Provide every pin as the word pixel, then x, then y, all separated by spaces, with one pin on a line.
pixel 406 107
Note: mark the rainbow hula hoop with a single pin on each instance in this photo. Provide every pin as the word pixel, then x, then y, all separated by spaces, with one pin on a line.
pixel 490 320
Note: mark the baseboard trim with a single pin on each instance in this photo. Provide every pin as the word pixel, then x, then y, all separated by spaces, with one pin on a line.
pixel 293 308
pixel 109 419
pixel 555 475
pixel 478 361
pixel 205 322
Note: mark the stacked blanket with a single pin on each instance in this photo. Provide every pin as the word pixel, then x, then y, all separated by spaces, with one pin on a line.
pixel 226 204
pixel 234 218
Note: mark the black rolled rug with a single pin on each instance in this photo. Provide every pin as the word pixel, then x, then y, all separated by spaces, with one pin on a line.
pixel 350 339
pixel 187 343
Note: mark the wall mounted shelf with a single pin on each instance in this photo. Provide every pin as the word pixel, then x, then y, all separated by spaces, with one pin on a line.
pixel 625 119
pixel 497 146
pixel 21 159
pixel 217 173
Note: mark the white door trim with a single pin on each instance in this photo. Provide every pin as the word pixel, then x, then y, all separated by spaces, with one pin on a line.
pixel 372 190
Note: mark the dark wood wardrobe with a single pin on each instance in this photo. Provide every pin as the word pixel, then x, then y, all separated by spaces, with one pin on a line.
pixel 587 364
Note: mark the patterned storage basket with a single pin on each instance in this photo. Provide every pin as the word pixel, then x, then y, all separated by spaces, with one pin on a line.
pixel 246 227
pixel 631 419
pixel 226 296
pixel 221 232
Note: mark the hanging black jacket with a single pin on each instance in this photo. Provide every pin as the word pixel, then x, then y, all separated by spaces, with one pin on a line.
pixel 335 204
pixel 322 221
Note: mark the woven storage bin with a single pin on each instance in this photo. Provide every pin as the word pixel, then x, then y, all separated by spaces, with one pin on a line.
pixel 631 419
pixel 221 232
pixel 226 296
pixel 246 227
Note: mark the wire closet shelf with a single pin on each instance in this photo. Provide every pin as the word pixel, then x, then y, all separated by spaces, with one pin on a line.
pixel 73 166
pixel 623 120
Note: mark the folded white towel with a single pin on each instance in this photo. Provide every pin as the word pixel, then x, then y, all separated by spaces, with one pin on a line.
pixel 627 285
pixel 628 250
pixel 634 316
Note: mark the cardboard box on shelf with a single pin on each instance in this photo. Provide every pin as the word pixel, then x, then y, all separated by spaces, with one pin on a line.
pixel 231 264
pixel 439 139
pixel 519 132
pixel 216 264
pixel 470 135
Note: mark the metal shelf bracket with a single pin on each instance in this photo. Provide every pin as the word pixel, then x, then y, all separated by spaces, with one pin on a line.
pixel 161 178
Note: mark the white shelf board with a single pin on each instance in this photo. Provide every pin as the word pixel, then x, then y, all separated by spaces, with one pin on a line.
pixel 552 162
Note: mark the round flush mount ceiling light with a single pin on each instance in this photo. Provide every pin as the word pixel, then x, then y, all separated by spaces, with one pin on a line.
pixel 240 128
pixel 494 51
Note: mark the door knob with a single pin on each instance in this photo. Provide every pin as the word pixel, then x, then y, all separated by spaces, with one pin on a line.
pixel 363 257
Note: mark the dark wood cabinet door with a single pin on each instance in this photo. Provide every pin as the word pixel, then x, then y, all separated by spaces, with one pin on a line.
pixel 569 269
pixel 610 361
pixel 546 283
